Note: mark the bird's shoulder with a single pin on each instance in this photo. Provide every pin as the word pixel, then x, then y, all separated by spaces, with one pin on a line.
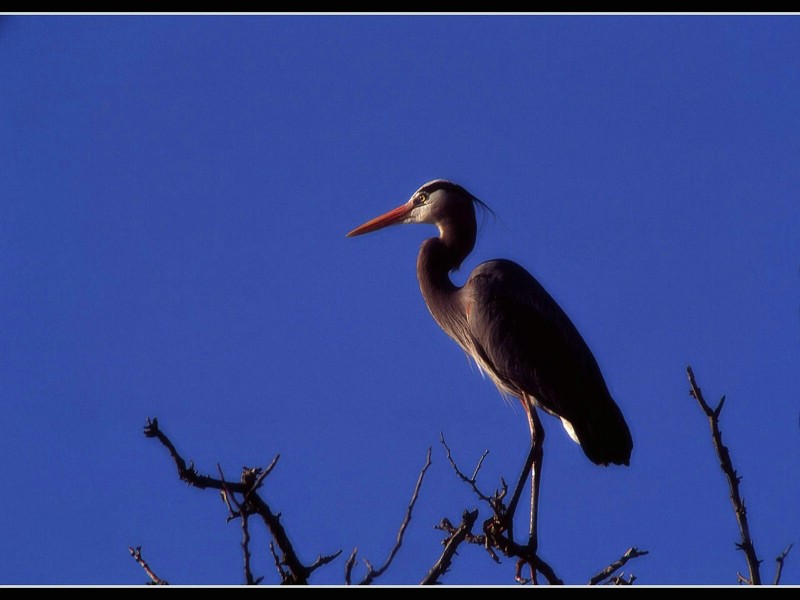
pixel 504 282
pixel 515 320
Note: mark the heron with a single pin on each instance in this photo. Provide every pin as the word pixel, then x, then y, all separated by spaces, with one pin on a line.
pixel 515 332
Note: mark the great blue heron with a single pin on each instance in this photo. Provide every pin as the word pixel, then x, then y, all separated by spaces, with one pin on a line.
pixel 507 322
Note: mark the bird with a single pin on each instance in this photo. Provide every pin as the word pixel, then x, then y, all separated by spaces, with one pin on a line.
pixel 516 333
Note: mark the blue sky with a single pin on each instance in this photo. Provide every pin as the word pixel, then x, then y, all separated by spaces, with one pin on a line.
pixel 175 197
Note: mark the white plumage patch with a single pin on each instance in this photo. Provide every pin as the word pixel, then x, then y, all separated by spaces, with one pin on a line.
pixel 568 426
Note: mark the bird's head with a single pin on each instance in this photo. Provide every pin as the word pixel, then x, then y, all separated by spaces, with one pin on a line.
pixel 438 202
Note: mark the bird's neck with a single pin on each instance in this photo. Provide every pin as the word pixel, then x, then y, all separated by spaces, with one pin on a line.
pixel 437 258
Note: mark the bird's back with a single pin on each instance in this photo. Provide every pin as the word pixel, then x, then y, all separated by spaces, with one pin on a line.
pixel 528 345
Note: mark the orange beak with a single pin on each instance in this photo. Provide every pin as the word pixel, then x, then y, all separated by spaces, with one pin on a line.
pixel 393 217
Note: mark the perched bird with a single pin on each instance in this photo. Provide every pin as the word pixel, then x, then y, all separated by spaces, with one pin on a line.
pixel 507 322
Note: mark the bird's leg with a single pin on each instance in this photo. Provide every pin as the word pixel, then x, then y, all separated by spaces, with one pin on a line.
pixel 537 453
pixel 512 506
pixel 533 465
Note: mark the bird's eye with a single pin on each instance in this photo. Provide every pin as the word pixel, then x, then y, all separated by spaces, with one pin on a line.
pixel 421 198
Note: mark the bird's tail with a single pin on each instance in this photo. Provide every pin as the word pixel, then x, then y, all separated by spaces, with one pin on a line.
pixel 603 434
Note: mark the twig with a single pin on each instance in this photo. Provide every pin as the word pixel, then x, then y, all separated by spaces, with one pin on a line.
pixel 323 560
pixel 228 498
pixel 348 566
pixel 746 545
pixel 494 501
pixel 616 565
pixel 779 569
pixel 285 578
pixel 265 472
pixel 620 579
pixel 471 538
pixel 451 545
pixel 373 573
pixel 248 574
pixel 136 553
pixel 479 465
pixel 742 579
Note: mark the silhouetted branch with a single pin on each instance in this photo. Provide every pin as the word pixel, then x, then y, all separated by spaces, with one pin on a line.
pixel 746 545
pixel 470 538
pixel 456 537
pixel 616 565
pixel 188 473
pixel 495 501
pixel 259 482
pixel 496 526
pixel 373 573
pixel 136 553
pixel 348 566
pixel 285 577
pixel 779 569
pixel 620 579
pixel 322 560
pixel 742 579
pixel 248 574
pixel 252 503
pixel 479 465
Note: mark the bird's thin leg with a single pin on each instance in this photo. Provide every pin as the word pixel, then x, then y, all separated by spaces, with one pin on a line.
pixel 537 453
pixel 512 506
pixel 533 465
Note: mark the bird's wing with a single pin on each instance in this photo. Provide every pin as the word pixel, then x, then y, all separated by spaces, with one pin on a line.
pixel 525 338
pixel 530 346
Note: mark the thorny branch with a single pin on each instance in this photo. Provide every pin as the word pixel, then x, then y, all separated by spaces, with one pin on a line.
pixel 616 565
pixel 495 501
pixel 136 553
pixel 451 544
pixel 252 479
pixel 739 509
pixel 373 573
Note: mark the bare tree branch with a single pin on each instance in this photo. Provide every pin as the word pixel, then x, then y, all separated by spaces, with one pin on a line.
pixel 496 526
pixel 252 503
pixel 188 473
pixel 348 566
pixel 285 577
pixel 477 470
pixel 620 579
pixel 456 537
pixel 494 501
pixel 742 579
pixel 779 569
pixel 726 464
pixel 267 471
pixel 616 565
pixel 373 573
pixel 323 560
pixel 248 574
pixel 136 553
